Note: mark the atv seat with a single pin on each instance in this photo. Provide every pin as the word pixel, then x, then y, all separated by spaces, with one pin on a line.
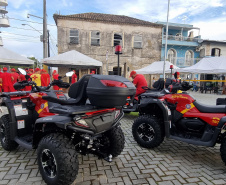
pixel 72 109
pixel 153 94
pixel 210 108
pixel 77 93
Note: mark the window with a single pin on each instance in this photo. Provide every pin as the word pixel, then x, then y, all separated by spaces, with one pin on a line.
pixel 172 56
pixel 117 39
pixel 137 41
pixel 215 52
pixel 189 58
pixel 74 36
pixel 95 38
pixel 115 70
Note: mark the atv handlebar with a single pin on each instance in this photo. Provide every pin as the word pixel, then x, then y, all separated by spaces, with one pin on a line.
pixel 35 88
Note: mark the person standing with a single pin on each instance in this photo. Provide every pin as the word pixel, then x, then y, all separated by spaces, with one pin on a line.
pixel 139 81
pixel 36 77
pixel 0 80
pixel 45 78
pixel 74 78
pixel 15 75
pixel 55 77
pixel 7 80
pixel 195 85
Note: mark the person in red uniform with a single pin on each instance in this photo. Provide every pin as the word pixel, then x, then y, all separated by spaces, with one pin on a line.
pixel 0 80
pixel 15 75
pixel 45 78
pixel 139 81
pixel 74 78
pixel 7 81
pixel 92 72
pixel 55 77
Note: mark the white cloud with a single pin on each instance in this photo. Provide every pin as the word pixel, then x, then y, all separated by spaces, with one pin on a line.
pixel 213 29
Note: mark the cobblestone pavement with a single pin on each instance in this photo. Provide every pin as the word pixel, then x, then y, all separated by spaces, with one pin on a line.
pixel 172 163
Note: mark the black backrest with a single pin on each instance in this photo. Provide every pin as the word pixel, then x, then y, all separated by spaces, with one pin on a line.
pixel 78 90
pixel 159 84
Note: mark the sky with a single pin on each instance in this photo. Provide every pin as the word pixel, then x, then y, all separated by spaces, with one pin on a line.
pixel 208 15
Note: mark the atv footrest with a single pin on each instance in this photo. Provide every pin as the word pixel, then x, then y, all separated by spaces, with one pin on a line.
pixel 25 141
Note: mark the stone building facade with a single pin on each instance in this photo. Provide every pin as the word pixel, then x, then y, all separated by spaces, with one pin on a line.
pixel 96 36
pixel 212 48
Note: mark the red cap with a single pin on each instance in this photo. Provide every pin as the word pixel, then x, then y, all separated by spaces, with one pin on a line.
pixel 13 70
pixel 43 70
pixel 5 69
pixel 31 70
pixel 132 73
pixel 177 73
pixel 37 69
pixel 54 71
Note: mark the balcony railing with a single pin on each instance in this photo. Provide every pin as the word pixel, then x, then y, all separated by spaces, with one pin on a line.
pixel 182 62
pixel 181 38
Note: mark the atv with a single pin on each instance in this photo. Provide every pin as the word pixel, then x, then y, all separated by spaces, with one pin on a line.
pixel 180 117
pixel 86 123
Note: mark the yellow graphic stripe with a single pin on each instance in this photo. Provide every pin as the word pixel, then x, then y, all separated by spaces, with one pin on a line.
pixel 186 110
pixel 45 105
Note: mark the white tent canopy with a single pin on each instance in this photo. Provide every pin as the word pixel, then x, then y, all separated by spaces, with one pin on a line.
pixel 157 68
pixel 71 58
pixel 210 65
pixel 8 57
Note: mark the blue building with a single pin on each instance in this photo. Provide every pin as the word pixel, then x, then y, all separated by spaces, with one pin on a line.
pixel 183 47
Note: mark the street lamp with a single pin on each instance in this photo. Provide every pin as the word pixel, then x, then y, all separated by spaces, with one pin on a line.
pixel 118 51
pixel 171 67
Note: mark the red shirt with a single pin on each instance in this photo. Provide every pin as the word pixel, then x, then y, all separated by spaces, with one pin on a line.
pixel 45 79
pixel 15 77
pixel 6 79
pixel 74 78
pixel 22 77
pixel 139 81
pixel 55 76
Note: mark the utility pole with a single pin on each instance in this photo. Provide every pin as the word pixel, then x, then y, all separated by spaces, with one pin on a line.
pixel 45 50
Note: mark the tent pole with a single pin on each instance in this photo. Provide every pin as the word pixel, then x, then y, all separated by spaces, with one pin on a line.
pixel 167 24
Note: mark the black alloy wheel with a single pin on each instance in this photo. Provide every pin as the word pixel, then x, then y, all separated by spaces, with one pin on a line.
pixel 5 134
pixel 148 131
pixel 2 132
pixel 48 162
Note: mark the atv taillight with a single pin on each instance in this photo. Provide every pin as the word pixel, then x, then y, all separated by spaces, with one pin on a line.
pixel 112 83
pixel 81 123
pixel 117 113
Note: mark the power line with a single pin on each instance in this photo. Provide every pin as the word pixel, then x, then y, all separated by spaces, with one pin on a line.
pixel 23 28
pixel 30 21
pixel 4 32
pixel 19 40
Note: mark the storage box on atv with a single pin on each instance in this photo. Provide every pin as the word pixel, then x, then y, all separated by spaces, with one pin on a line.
pixel 109 90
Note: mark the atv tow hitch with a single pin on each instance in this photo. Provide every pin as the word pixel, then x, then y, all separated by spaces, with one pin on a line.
pixel 108 159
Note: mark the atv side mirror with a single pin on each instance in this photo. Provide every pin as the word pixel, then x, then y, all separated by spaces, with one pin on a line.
pixel 22 71
pixel 69 73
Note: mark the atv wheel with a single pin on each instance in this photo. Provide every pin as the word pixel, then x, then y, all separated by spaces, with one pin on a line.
pixel 6 142
pixel 57 160
pixel 112 142
pixel 223 150
pixel 147 131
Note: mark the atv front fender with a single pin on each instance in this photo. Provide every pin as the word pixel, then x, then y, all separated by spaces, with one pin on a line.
pixel 157 108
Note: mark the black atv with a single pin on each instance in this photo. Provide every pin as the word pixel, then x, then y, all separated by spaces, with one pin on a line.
pixel 87 122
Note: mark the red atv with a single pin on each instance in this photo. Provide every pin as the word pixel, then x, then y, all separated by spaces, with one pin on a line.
pixel 59 128
pixel 179 116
